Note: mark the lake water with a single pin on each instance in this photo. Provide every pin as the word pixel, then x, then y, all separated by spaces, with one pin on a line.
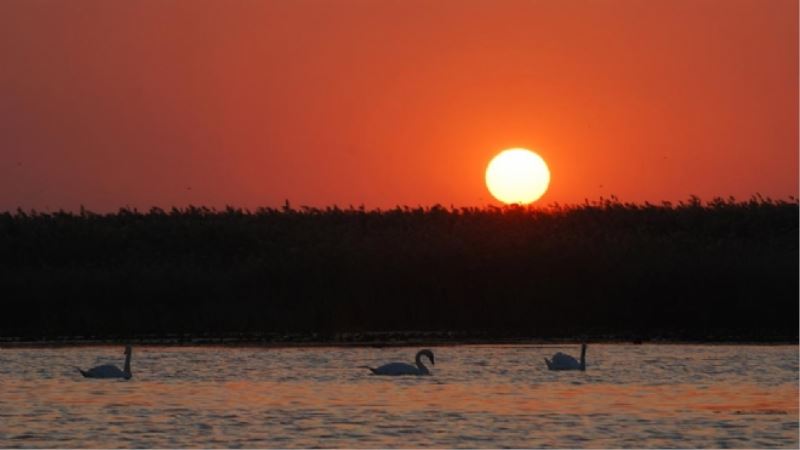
pixel 478 396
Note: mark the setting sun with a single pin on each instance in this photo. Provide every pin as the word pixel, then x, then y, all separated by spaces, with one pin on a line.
pixel 517 175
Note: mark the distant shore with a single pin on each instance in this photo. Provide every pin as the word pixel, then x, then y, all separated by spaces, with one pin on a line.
pixel 379 340
pixel 719 271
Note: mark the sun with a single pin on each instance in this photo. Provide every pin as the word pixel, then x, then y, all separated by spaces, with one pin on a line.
pixel 517 175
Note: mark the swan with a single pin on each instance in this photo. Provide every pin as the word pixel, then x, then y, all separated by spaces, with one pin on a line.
pixel 398 368
pixel 562 361
pixel 110 370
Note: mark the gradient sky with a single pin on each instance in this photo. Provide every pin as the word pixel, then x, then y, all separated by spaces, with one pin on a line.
pixel 168 103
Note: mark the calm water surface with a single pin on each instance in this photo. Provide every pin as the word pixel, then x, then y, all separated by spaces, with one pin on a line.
pixel 479 396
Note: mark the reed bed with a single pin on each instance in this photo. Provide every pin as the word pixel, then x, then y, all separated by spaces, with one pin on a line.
pixel 722 269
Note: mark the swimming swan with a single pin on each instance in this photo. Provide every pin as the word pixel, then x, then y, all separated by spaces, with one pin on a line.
pixel 398 368
pixel 110 370
pixel 561 361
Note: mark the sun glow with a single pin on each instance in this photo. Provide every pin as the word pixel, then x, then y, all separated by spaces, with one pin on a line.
pixel 517 175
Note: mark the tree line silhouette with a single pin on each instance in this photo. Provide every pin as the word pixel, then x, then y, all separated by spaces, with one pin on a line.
pixel 723 269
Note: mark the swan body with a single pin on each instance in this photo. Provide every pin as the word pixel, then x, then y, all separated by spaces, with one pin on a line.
pixel 561 361
pixel 399 368
pixel 110 370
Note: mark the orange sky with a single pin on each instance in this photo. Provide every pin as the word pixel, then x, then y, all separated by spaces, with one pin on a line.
pixel 249 102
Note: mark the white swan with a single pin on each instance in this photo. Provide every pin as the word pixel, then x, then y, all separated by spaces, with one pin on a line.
pixel 398 368
pixel 561 361
pixel 110 370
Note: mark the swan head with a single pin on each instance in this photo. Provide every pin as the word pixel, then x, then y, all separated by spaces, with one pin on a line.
pixel 428 353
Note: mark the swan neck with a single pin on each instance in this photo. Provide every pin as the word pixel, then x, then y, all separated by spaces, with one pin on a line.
pixel 583 357
pixel 421 366
pixel 127 368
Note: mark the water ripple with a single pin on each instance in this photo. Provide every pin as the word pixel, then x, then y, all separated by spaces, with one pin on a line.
pixel 479 396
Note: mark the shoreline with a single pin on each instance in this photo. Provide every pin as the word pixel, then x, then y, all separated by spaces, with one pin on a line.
pixel 300 341
pixel 722 272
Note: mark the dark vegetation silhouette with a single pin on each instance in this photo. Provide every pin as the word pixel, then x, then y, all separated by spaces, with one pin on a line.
pixel 724 269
